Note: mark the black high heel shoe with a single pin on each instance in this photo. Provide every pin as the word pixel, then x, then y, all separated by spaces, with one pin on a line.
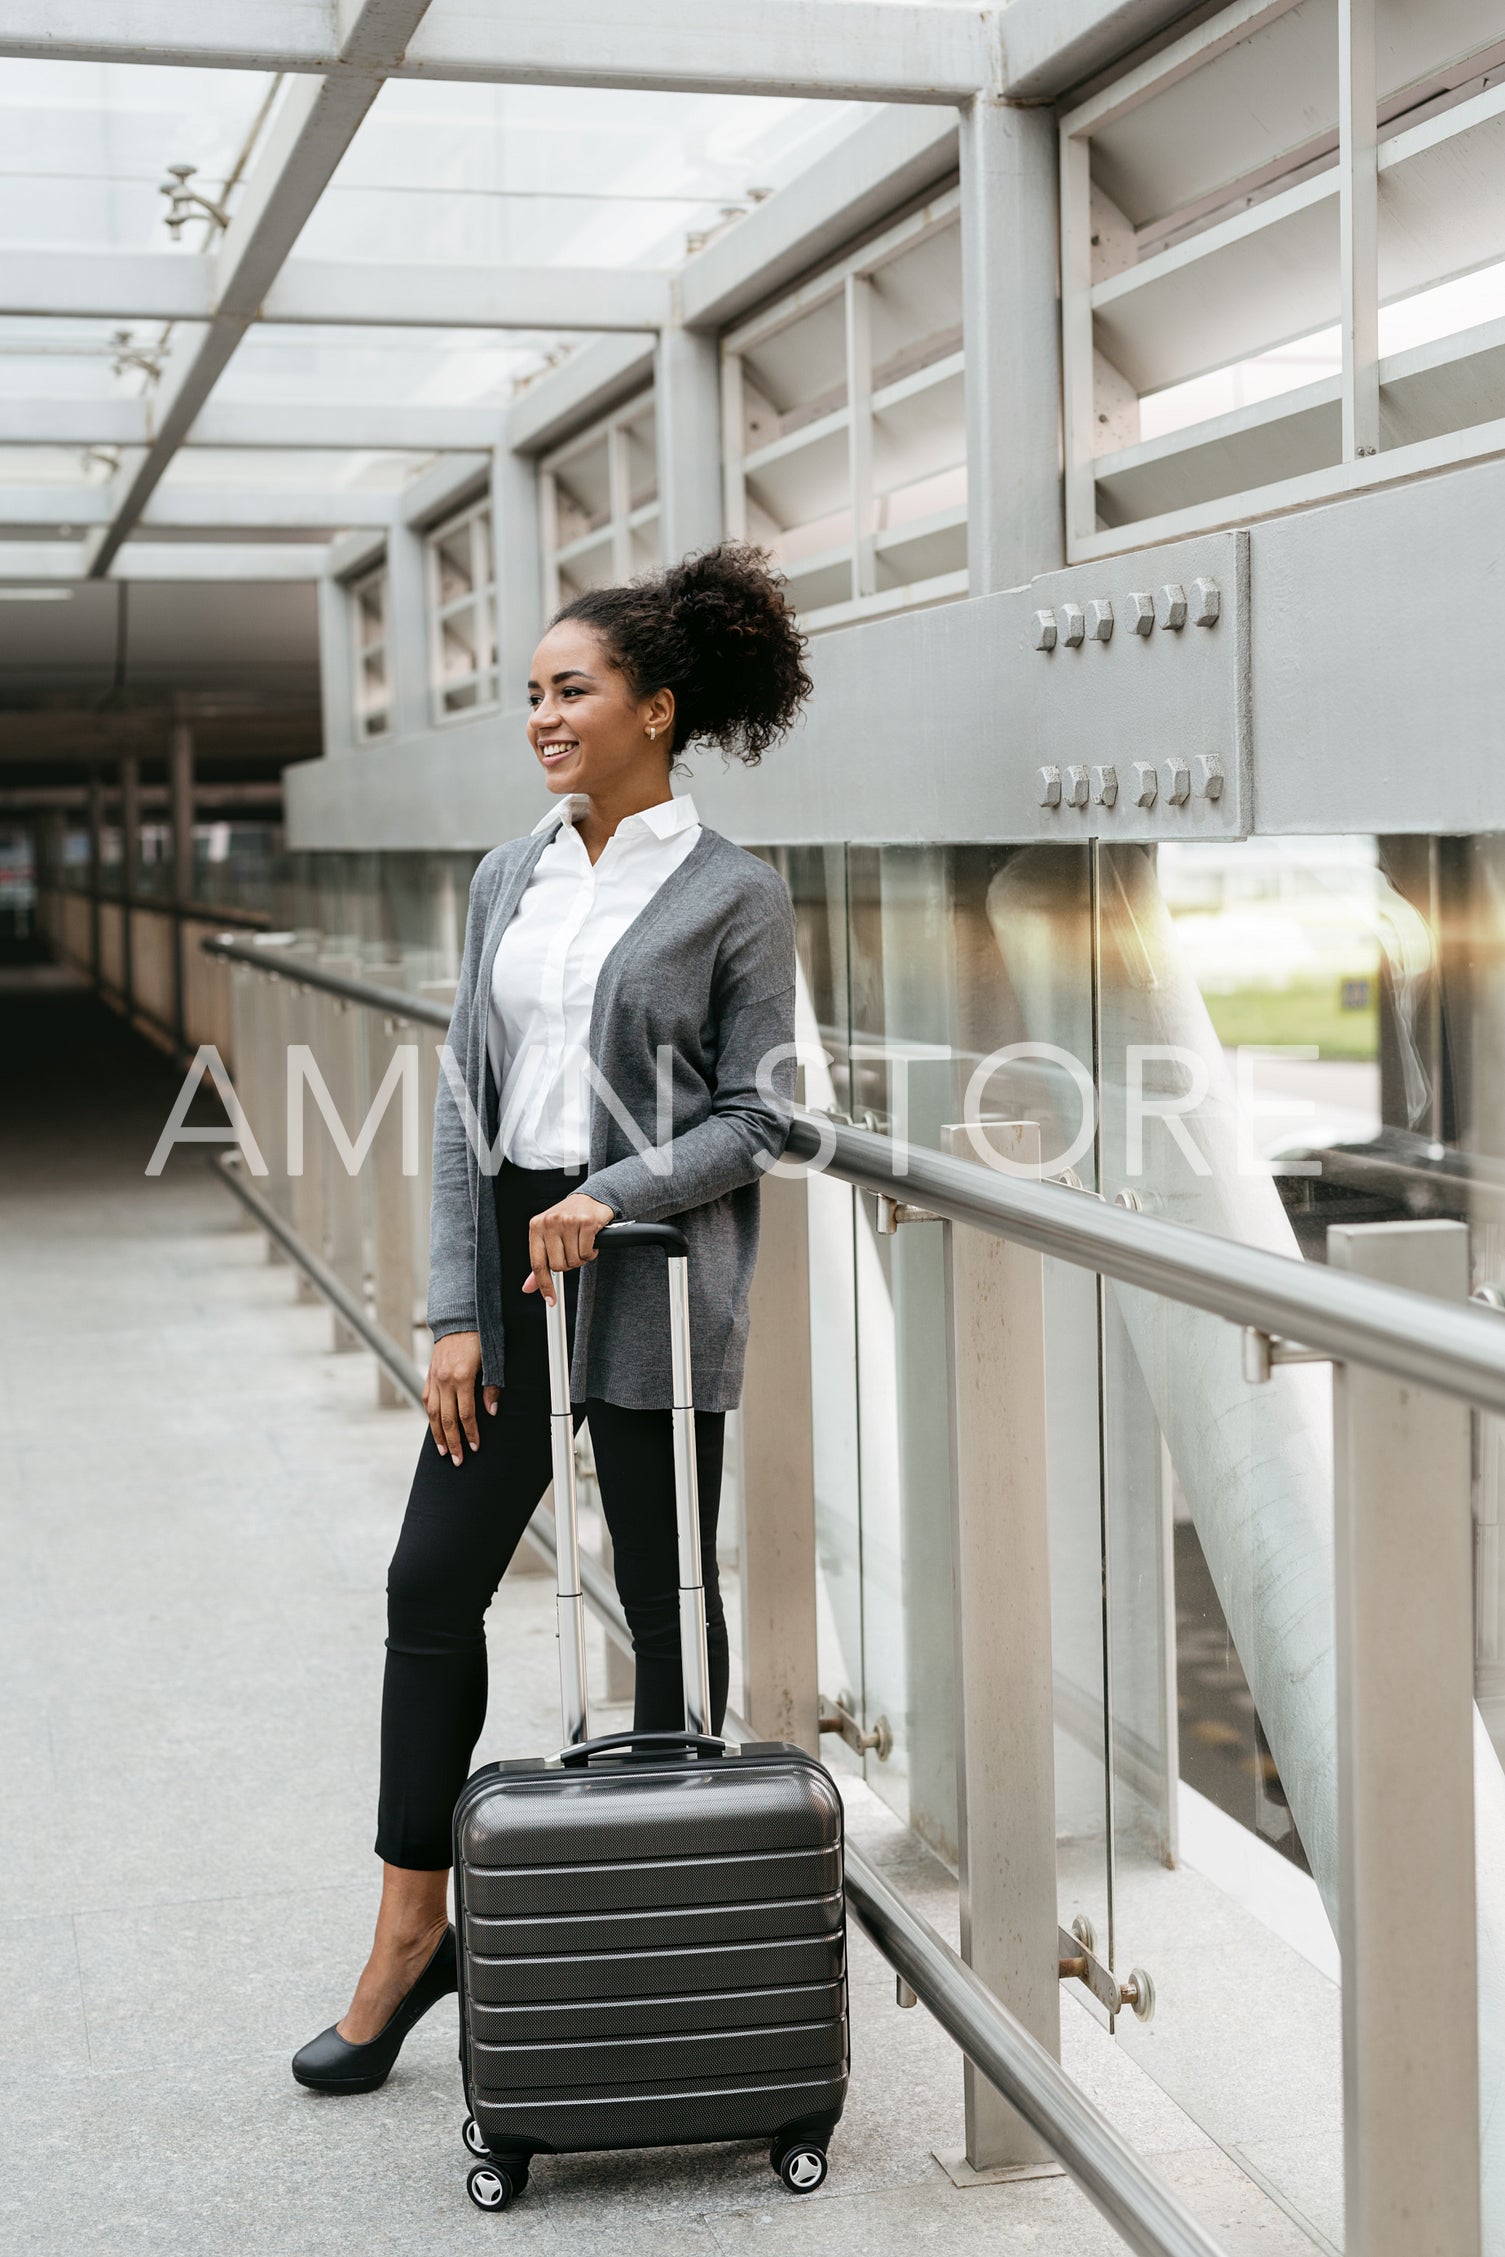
pixel 330 2063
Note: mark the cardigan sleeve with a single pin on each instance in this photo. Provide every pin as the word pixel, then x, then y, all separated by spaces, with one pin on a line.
pixel 452 1215
pixel 752 1104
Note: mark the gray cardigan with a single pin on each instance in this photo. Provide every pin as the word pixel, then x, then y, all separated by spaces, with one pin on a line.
pixel 707 972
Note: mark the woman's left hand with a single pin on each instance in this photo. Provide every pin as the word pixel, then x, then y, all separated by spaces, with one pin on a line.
pixel 564 1237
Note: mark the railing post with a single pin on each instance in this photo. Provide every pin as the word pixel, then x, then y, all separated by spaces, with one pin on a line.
pixel 338 1050
pixel 298 1015
pixel 781 1696
pixel 1404 1648
pixel 392 1200
pixel 1006 1785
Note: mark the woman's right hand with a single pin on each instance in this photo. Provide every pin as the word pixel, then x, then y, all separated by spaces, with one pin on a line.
pixel 449 1393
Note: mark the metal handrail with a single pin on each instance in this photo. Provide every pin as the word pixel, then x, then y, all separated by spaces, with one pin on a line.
pixel 1439 1344
pixel 395 1002
pixel 1129 2195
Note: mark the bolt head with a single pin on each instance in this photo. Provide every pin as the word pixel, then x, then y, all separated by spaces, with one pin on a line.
pixel 1072 624
pixel 1146 784
pixel 1141 611
pixel 1170 605
pixel 1076 787
pixel 1175 780
pixel 1207 776
pixel 1043 630
pixel 1206 603
pixel 1105 785
pixel 1048 786
pixel 1100 620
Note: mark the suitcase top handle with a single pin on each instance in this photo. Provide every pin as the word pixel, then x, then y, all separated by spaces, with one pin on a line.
pixel 618 1743
pixel 668 1235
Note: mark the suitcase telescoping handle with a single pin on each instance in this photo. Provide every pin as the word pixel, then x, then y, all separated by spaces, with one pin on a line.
pixel 694 1660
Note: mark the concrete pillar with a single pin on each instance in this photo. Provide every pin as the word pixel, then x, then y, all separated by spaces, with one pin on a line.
pixel 687 381
pixel 1012 315
pixel 336 665
pixel 130 857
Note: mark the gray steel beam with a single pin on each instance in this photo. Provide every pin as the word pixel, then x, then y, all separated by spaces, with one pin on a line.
pixel 1011 302
pixel 1407 1921
pixel 444 296
pixel 308 137
pixel 862 51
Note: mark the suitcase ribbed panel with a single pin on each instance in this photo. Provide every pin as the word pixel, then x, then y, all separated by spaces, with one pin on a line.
pixel 658 1881
pixel 648 1974
pixel 651 1931
pixel 653 1951
pixel 600 2062
pixel 645 2017
pixel 734 2110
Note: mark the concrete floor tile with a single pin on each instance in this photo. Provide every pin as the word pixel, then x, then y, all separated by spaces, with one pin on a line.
pixel 42 2027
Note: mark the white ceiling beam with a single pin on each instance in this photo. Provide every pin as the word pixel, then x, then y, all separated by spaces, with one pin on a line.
pixel 1050 45
pixel 191 509
pixel 375 426
pixel 41 562
pixel 890 158
pixel 381 426
pixel 316 124
pixel 375 295
pixel 180 286
pixel 219 560
pixel 861 50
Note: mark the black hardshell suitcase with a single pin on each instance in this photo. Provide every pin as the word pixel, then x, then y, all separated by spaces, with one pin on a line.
pixel 652 1931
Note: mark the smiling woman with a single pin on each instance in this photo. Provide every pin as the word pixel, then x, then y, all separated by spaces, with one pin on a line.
pixel 622 1045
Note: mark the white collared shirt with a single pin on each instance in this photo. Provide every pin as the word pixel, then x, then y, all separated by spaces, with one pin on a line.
pixel 543 980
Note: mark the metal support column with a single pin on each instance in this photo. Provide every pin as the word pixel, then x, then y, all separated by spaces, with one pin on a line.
pixel 781 1698
pixel 96 866
pixel 517 546
pixel 1011 299
pixel 1006 1795
pixel 1404 1545
pixel 407 631
pixel 130 859
pixel 180 815
pixel 687 381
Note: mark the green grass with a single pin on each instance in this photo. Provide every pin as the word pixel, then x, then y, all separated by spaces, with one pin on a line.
pixel 1305 1012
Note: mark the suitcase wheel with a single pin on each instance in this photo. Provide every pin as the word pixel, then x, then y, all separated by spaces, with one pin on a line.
pixel 490 2187
pixel 473 2136
pixel 800 2165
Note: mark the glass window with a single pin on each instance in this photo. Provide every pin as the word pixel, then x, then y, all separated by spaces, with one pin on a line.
pixel 600 504
pixel 845 430
pixel 370 651
pixel 462 613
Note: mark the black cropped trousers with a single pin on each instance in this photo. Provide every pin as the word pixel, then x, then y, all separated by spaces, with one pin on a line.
pixel 464 1522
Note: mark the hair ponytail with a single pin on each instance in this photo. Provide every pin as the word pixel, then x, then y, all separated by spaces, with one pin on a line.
pixel 717 630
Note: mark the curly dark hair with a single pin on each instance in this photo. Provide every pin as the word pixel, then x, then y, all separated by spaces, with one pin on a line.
pixel 717 631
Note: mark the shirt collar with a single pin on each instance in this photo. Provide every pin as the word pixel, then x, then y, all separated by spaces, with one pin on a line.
pixel 665 821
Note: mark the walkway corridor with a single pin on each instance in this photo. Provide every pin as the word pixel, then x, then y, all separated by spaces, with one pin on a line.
pixel 199 1499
